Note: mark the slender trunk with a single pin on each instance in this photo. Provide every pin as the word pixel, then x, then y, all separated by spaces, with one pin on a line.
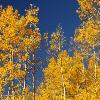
pixel 85 78
pixel 12 58
pixel 33 80
pixel 63 91
pixel 24 87
pixel 63 85
pixel 33 88
pixel 25 78
pixel 95 63
pixel 84 74
pixel 95 68
pixel 77 83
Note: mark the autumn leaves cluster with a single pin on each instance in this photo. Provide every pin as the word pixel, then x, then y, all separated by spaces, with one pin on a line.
pixel 73 75
pixel 17 41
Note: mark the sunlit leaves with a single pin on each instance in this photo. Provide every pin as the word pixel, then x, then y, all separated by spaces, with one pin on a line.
pixel 71 68
pixel 88 9
pixel 65 77
pixel 16 41
pixel 88 33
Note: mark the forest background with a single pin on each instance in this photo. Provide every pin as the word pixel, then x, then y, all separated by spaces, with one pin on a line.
pixel 70 50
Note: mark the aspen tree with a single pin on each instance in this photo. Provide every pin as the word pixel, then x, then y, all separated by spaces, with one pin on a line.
pixel 88 36
pixel 15 37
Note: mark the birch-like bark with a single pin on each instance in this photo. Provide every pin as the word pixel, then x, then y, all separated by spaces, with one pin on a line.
pixel 11 60
pixel 12 55
pixel 94 53
pixel 95 68
pixel 33 80
pixel 24 86
pixel 63 94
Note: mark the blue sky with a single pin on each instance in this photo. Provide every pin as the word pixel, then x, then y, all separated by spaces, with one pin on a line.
pixel 52 12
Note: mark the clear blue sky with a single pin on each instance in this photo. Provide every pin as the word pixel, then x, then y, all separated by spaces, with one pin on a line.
pixel 52 12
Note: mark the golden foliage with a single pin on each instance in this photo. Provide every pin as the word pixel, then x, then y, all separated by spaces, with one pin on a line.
pixel 15 38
